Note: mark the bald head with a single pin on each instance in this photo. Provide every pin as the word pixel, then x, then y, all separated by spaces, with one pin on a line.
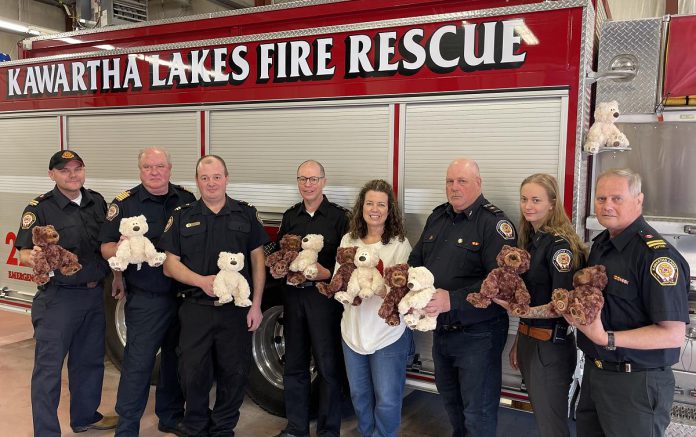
pixel 463 183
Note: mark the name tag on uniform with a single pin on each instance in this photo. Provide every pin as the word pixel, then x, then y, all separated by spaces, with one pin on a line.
pixel 192 224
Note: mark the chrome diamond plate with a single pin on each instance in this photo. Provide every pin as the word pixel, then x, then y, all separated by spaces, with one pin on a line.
pixel 641 38
pixel 683 421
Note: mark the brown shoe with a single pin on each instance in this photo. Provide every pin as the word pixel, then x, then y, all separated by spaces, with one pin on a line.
pixel 106 422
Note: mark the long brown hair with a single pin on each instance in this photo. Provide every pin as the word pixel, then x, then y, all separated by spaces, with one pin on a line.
pixel 393 226
pixel 556 223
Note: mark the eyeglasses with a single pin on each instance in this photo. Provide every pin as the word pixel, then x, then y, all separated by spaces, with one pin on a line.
pixel 312 180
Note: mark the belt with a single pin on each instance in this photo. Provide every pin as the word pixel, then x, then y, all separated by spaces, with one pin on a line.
pixel 541 334
pixel 624 367
pixel 305 284
pixel 199 301
pixel 92 284
pixel 455 327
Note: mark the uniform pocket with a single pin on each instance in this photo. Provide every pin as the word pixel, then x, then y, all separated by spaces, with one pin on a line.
pixel 192 238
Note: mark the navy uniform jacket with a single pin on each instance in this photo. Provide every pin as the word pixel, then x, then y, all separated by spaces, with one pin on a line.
pixel 460 251
pixel 157 209
pixel 648 283
pixel 197 236
pixel 329 220
pixel 77 226
pixel 551 267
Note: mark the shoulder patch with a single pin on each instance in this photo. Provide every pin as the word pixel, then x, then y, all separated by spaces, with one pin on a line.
pixel 28 219
pixel 653 241
pixel 562 259
pixel 492 209
pixel 123 195
pixel 665 271
pixel 169 223
pixel 505 229
pixel 112 212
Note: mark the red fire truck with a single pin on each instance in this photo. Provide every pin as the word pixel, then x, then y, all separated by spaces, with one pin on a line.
pixel 390 89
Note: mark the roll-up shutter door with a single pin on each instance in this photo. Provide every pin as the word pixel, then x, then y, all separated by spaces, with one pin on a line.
pixel 263 147
pixel 110 143
pixel 510 138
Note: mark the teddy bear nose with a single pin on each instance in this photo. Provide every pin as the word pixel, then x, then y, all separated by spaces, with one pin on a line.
pixel 136 228
pixel 616 115
pixel 362 258
pixel 410 285
pixel 234 263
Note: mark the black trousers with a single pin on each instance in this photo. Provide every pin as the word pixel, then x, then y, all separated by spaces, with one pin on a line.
pixel 312 325
pixel 624 404
pixel 214 344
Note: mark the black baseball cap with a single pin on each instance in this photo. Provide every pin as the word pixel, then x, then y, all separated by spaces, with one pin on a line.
pixel 59 159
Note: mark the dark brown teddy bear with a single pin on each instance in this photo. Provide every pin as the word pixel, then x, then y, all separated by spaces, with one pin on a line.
pixel 585 301
pixel 396 278
pixel 339 282
pixel 504 283
pixel 279 261
pixel 52 256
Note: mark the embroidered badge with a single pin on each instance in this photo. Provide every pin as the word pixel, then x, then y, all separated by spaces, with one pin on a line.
pixel 28 219
pixel 169 223
pixel 562 260
pixel 506 230
pixel 665 271
pixel 620 279
pixel 67 155
pixel 112 212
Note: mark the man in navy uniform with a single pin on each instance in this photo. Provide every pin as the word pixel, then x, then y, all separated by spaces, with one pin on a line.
pixel 68 311
pixel 628 384
pixel 215 340
pixel 151 305
pixel 459 244
pixel 311 321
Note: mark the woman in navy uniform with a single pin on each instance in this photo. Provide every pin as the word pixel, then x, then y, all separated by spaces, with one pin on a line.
pixel 543 350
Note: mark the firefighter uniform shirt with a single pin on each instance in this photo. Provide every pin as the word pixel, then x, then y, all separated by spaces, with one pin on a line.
pixel 648 282
pixel 460 250
pixel 197 236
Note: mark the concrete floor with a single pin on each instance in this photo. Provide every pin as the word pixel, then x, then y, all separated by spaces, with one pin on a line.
pixel 423 414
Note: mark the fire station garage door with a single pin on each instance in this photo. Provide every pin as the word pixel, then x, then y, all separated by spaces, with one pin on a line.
pixel 263 147
pixel 511 136
pixel 109 143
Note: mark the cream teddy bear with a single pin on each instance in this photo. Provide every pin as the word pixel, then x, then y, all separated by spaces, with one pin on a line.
pixel 421 290
pixel 366 280
pixel 306 261
pixel 603 131
pixel 136 248
pixel 229 284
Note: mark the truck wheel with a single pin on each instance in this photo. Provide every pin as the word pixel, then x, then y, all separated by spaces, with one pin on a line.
pixel 266 375
pixel 116 330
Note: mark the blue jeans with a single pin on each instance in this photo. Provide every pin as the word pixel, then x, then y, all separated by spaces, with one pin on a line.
pixel 377 386
pixel 468 368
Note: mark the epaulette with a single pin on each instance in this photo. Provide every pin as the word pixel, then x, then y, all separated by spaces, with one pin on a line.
pixel 560 239
pixel 35 201
pixel 245 203
pixel 441 206
pixel 493 209
pixel 297 205
pixel 185 205
pixel 183 188
pixel 123 195
pixel 341 207
pixel 653 241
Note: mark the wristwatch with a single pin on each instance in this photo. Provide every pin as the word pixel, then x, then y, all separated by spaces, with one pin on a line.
pixel 611 345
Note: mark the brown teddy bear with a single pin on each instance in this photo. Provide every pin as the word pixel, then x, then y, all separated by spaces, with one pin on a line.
pixel 585 301
pixel 504 283
pixel 52 256
pixel 279 261
pixel 396 278
pixel 339 282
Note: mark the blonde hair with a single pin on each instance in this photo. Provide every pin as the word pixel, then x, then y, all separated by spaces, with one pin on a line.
pixel 556 223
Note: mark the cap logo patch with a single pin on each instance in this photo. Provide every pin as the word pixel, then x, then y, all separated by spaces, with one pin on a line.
pixel 506 230
pixel 67 155
pixel 665 271
pixel 562 260
pixel 112 212
pixel 169 223
pixel 28 219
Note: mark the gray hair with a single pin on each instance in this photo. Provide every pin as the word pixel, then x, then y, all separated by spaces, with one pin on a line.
pixel 632 177
pixel 155 149
pixel 321 167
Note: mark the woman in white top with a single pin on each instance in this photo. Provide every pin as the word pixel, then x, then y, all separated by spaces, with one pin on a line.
pixel 376 353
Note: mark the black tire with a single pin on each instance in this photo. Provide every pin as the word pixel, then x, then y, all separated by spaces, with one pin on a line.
pixel 268 356
pixel 116 330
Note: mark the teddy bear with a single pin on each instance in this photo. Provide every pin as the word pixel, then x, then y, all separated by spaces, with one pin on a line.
pixel 136 248
pixel 421 290
pixel 229 284
pixel 366 280
pixel 504 282
pixel 51 256
pixel 585 301
pixel 346 266
pixel 279 262
pixel 603 132
pixel 396 278
pixel 306 261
